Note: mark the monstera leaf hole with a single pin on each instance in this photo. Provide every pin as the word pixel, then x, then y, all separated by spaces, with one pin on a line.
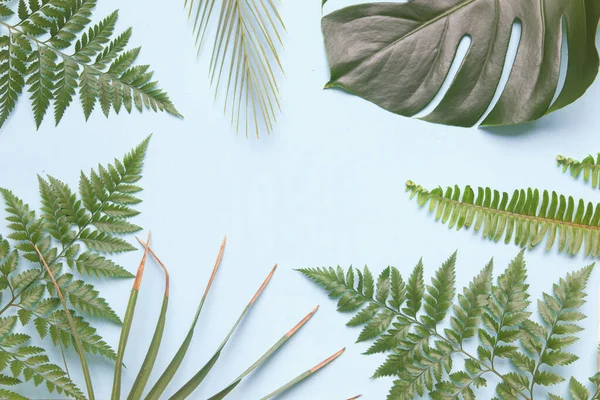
pixel 465 62
pixel 461 52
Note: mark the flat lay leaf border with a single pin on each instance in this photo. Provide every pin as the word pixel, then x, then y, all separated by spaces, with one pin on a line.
pixel 408 322
pixel 47 263
pixel 61 303
pixel 245 57
pixel 530 216
pixel 398 55
pixel 46 54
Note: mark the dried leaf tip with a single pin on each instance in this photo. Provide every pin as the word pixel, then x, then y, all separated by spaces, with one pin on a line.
pixel 162 265
pixel 216 267
pixel 264 285
pixel 301 323
pixel 355 397
pixel 140 272
pixel 329 360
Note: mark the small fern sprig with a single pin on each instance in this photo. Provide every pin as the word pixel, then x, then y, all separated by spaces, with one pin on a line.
pixel 67 242
pixel 529 215
pixel 589 166
pixel 404 318
pixel 45 53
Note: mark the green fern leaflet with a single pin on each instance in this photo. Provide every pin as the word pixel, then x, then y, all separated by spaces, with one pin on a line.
pixel 49 53
pixel 589 166
pixel 528 215
pixel 74 233
pixel 424 330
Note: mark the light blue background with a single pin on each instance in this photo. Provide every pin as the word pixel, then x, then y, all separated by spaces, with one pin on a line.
pixel 327 188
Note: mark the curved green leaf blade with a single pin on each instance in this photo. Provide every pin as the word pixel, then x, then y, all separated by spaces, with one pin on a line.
pixel 223 393
pixel 197 379
pixel 304 376
pixel 127 321
pixel 146 369
pixel 164 380
pixel 397 55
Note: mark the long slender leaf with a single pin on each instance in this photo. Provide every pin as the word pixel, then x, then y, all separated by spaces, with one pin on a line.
pixel 305 375
pixel 223 393
pixel 164 380
pixel 146 369
pixel 127 321
pixel 197 379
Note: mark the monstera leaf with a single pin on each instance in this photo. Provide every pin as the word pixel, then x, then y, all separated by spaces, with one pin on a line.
pixel 397 55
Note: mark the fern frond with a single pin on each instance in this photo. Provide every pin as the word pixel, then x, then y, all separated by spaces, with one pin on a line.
pixel 29 363
pixel 559 312
pixel 84 298
pixel 470 307
pixel 244 57
pixel 92 264
pixel 530 215
pixel 65 224
pixel 58 328
pixel 589 166
pixel 99 68
pixel 423 358
pixel 32 364
pixel 506 311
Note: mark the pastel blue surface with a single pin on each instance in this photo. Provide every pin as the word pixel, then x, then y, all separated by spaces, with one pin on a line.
pixel 327 188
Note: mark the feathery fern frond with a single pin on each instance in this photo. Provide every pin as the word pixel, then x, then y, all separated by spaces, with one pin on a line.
pixel 422 357
pixel 46 54
pixel 70 231
pixel 589 166
pixel 245 58
pixel 24 362
pixel 529 215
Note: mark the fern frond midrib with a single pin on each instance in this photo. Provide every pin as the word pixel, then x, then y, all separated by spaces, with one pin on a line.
pixel 71 58
pixel 458 348
pixel 534 218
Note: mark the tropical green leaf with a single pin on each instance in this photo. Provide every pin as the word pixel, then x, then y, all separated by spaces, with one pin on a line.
pixel 244 57
pixel 367 47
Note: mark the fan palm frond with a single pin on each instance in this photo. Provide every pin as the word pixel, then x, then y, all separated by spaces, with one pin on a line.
pixel 245 57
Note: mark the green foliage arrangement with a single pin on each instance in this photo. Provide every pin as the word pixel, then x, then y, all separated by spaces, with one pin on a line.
pixel 63 246
pixel 398 56
pixel 244 57
pixel 45 264
pixel 45 52
pixel 426 329
pixel 529 215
